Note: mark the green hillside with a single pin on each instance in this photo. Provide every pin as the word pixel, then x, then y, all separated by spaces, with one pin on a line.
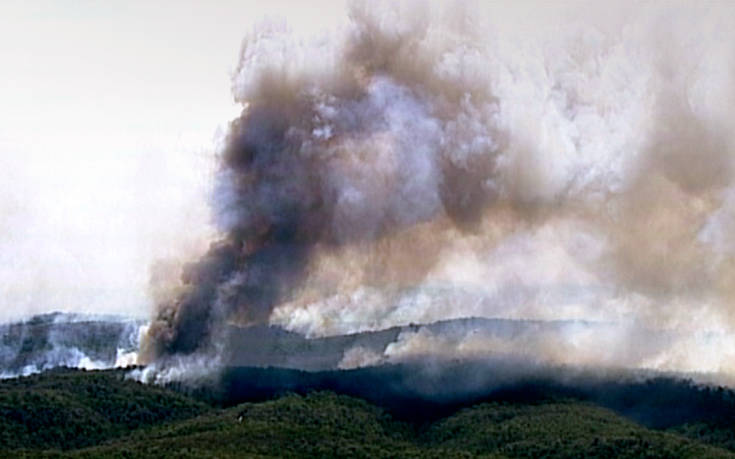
pixel 75 408
pixel 325 424
pixel 99 414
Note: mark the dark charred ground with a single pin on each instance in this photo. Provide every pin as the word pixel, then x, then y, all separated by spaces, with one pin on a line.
pixel 418 409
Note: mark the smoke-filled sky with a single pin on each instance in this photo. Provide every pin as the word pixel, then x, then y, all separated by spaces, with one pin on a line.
pixel 109 116
pixel 336 168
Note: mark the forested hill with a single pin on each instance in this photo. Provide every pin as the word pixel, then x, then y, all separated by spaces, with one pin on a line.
pixel 101 414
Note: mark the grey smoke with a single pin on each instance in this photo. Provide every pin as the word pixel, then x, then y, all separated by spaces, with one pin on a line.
pixel 425 163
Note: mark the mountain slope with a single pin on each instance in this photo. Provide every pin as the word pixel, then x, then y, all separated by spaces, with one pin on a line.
pixel 101 414
pixel 329 425
pixel 70 409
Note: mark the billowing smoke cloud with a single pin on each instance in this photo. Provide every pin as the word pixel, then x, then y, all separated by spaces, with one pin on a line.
pixel 425 163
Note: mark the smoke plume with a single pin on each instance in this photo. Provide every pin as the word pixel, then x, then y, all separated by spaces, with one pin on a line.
pixel 425 163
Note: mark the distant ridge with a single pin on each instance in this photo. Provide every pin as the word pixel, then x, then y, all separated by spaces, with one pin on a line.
pixel 70 317
pixel 72 340
pixel 265 346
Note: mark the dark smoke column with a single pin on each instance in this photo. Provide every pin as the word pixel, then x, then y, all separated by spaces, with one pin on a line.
pixel 340 143
pixel 274 213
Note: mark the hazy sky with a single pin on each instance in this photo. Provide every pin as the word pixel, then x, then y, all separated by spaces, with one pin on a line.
pixel 110 111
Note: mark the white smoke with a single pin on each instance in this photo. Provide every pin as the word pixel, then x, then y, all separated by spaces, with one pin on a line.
pixel 196 367
pixel 358 357
pixel 568 343
pixel 58 343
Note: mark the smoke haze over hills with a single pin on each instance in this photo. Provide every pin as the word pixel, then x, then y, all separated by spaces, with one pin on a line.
pixel 425 163
pixel 68 340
